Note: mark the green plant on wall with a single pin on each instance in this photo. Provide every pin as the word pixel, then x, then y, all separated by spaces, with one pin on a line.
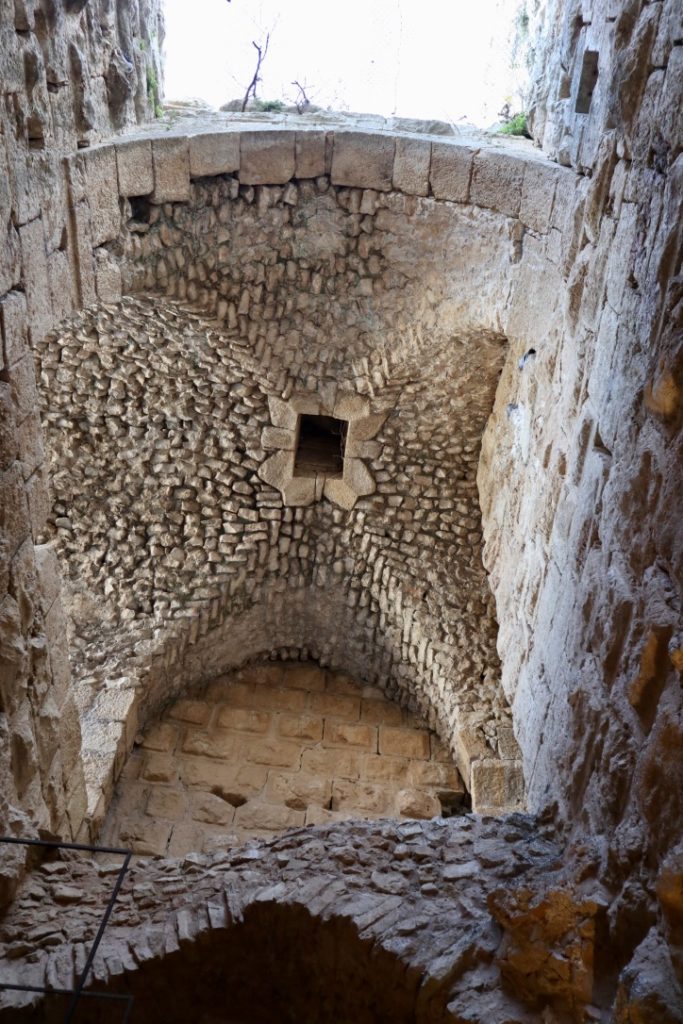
pixel 516 126
pixel 265 105
pixel 153 91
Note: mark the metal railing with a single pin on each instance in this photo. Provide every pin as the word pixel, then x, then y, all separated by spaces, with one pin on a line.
pixel 77 993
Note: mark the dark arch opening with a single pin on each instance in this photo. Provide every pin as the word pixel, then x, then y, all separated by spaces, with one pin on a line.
pixel 280 963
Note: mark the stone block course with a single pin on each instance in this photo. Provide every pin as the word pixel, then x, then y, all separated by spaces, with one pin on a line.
pixel 233 758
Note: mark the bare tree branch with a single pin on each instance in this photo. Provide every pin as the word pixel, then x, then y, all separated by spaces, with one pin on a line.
pixel 261 52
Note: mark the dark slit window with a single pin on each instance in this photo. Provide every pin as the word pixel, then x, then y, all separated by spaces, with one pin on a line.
pixel 321 446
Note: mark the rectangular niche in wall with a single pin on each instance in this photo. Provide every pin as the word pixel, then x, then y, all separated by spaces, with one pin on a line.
pixel 587 82
pixel 320 448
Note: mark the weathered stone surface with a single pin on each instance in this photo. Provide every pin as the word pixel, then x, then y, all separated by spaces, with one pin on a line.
pixel 363 161
pixel 171 160
pixel 241 742
pixel 266 158
pixel 450 172
pixel 135 168
pixel 411 166
pixel 215 153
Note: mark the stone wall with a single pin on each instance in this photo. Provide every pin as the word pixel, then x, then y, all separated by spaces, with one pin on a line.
pixel 308 260
pixel 273 747
pixel 69 74
pixel 584 445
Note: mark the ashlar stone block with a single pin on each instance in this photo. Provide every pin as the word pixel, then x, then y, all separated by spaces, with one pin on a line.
pixel 214 153
pixel 363 161
pixel 411 166
pixel 171 158
pixel 103 193
pixel 450 170
pixel 497 180
pixel 135 168
pixel 267 157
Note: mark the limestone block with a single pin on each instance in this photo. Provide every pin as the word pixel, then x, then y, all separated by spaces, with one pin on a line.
pixel 305 404
pixel 22 381
pixel 49 580
pixel 358 477
pixel 14 517
pixel 437 774
pixel 298 790
pixel 212 809
pixel 497 180
pixel 450 172
pixel 107 277
pixel 82 253
pixel 160 768
pixel 38 503
pixel 219 746
pixel 282 414
pixel 35 278
pixel 411 166
pixel 195 711
pixel 171 159
pixel 164 802
pixel 363 161
pixel 300 491
pixel 244 720
pixel 14 326
pixel 278 438
pixel 340 493
pixel 410 803
pixel 267 816
pixel 304 677
pixel 30 443
pixel 496 786
pixel 275 752
pixel 214 153
pixel 349 406
pixel 267 157
pixel 162 736
pixel 411 743
pixel 538 194
pixel 135 168
pixel 278 469
pixel 381 712
pixel 147 837
pixel 365 797
pixel 102 193
pixel 389 770
pixel 8 435
pixel 63 286
pixel 311 154
pixel 338 763
pixel 350 734
pixel 336 705
pixel 232 781
pixel 301 727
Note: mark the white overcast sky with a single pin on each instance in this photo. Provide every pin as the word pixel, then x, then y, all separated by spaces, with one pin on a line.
pixel 444 59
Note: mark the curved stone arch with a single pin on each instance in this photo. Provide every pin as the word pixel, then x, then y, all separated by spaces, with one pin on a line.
pixel 502 199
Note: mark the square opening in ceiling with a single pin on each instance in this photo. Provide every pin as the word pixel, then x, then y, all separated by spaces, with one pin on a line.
pixel 320 448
